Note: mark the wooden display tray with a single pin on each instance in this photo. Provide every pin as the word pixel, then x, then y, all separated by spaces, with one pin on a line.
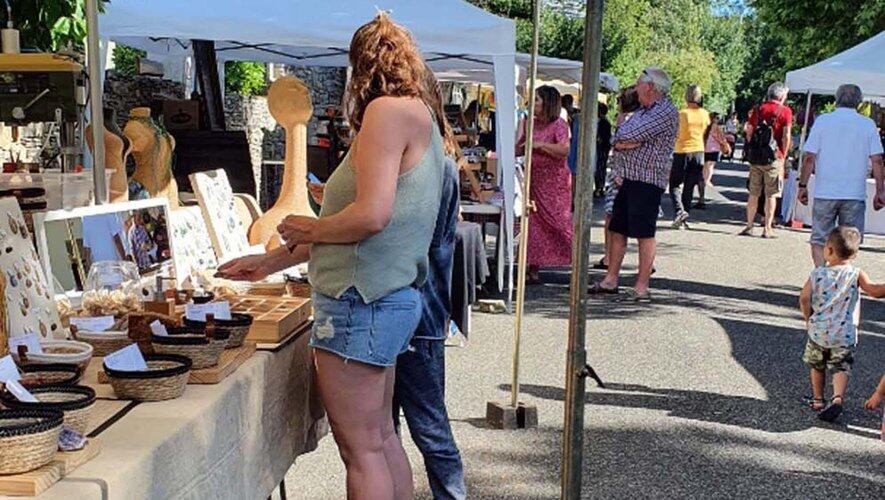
pixel 230 360
pixel 273 318
pixel 31 484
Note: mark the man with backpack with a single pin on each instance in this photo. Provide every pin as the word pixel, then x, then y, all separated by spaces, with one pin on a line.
pixel 768 141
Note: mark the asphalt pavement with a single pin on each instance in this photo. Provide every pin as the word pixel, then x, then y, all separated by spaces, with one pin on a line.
pixel 704 385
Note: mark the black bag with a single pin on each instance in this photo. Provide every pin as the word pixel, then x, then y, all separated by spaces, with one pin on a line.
pixel 762 148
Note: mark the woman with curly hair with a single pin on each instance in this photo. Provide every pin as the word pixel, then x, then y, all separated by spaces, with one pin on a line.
pixel 368 252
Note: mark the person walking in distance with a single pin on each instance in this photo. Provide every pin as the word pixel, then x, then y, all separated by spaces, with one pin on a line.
pixel 646 142
pixel 715 145
pixel 840 149
pixel 688 157
pixel 768 140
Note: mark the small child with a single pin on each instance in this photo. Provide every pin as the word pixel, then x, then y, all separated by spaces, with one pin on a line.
pixel 830 303
pixel 875 401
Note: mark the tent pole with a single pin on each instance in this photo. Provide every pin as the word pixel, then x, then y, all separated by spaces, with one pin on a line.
pixel 93 63
pixel 527 204
pixel 576 373
pixel 801 154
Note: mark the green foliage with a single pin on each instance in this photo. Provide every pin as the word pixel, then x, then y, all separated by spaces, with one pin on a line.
pixel 126 59
pixel 247 78
pixel 49 25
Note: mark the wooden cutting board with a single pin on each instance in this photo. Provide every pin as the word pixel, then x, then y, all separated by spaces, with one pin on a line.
pixel 30 484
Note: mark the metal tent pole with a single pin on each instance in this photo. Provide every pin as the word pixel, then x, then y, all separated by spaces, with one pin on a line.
pixel 93 66
pixel 576 369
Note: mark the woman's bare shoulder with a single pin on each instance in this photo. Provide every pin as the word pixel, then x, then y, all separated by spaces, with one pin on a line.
pixel 407 111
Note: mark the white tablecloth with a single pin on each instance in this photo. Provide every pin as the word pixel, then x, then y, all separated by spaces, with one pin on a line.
pixel 875 221
pixel 233 440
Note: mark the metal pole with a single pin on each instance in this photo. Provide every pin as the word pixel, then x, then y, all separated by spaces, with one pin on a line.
pixel 573 426
pixel 527 204
pixel 93 66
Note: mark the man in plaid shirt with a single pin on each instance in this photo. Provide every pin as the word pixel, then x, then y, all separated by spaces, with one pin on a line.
pixel 646 142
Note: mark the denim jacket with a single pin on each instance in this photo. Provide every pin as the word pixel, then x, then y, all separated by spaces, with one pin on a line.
pixel 437 289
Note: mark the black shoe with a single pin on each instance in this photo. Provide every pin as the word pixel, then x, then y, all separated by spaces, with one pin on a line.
pixel 832 412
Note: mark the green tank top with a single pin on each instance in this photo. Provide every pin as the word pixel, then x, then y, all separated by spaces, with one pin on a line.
pixel 397 256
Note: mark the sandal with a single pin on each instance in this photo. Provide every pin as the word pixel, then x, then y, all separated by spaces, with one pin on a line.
pixel 816 404
pixel 832 412
pixel 601 265
pixel 748 231
pixel 633 296
pixel 598 289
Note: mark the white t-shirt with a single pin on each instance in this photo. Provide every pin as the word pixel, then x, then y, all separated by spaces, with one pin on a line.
pixel 843 142
pixel 98 236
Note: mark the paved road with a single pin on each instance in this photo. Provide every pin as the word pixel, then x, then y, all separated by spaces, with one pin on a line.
pixel 704 384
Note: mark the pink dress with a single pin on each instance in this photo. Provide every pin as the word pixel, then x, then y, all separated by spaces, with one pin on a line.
pixel 550 227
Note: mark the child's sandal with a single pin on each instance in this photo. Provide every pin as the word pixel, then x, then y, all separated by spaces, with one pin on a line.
pixel 832 412
pixel 816 404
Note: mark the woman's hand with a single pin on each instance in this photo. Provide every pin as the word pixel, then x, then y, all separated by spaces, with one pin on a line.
pixel 625 145
pixel 248 268
pixel 297 230
pixel 316 192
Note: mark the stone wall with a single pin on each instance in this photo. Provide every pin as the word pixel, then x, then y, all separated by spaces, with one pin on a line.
pixel 122 92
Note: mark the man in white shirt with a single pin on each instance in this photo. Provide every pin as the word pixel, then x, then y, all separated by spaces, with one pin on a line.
pixel 104 236
pixel 839 151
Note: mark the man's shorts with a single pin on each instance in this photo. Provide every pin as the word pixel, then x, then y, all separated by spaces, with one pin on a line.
pixel 767 178
pixel 635 209
pixel 827 214
pixel 832 359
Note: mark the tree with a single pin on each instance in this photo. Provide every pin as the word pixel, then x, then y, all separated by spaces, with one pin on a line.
pixel 50 25
pixel 247 78
pixel 126 59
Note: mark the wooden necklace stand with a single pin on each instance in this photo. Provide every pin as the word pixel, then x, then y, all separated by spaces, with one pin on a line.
pixel 288 100
pixel 152 149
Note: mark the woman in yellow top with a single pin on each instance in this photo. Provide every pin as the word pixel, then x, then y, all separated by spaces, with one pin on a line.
pixel 688 156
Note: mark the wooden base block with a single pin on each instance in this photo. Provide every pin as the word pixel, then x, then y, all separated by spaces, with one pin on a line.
pixel 37 481
pixel 503 416
pixel 230 360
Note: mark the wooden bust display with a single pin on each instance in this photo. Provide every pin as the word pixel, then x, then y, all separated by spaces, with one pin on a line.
pixel 152 149
pixel 116 149
pixel 289 102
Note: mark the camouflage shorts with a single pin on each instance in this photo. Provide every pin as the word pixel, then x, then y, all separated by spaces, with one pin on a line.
pixel 833 359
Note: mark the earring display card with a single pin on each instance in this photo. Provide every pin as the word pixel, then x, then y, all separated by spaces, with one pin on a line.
pixel 191 245
pixel 216 198
pixel 30 307
pixel 273 318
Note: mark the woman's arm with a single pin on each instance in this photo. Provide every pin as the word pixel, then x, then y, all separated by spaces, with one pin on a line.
pixel 557 149
pixel 378 152
pixel 258 267
pixel 875 290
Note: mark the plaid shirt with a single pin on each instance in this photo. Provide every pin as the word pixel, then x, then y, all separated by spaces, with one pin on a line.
pixel 655 128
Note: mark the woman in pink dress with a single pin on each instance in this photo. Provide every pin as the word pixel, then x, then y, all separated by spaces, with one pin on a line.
pixel 550 224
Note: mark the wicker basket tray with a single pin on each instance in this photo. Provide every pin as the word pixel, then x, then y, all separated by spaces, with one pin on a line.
pixel 201 346
pixel 28 439
pixel 49 374
pixel 75 401
pixel 58 351
pixel 166 378
pixel 237 327
pixel 104 343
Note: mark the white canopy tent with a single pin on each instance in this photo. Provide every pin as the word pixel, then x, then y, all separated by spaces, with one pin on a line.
pixel 311 33
pixel 862 65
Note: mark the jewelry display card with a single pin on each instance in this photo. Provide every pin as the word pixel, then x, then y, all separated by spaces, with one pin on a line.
pixel 226 231
pixel 191 246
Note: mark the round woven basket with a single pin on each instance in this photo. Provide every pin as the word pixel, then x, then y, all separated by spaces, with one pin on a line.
pixel 74 401
pixel 104 343
pixel 59 351
pixel 49 374
pixel 28 439
pixel 193 343
pixel 237 327
pixel 165 378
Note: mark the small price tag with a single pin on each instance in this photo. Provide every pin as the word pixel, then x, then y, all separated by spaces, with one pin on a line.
pixel 20 392
pixel 93 323
pixel 198 312
pixel 8 370
pixel 30 340
pixel 127 359
pixel 159 329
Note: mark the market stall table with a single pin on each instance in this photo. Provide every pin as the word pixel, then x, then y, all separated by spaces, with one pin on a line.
pixel 874 220
pixel 487 212
pixel 232 440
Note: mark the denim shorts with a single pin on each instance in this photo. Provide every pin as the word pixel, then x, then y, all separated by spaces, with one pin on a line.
pixel 827 214
pixel 374 333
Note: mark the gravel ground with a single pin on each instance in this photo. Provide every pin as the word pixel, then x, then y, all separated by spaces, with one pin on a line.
pixel 704 384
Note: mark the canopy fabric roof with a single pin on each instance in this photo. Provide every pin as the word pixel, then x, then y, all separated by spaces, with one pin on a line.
pixel 862 65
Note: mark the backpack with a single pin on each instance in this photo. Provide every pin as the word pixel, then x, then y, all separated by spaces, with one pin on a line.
pixel 762 148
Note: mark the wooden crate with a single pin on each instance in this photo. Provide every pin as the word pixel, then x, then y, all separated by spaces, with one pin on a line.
pixel 31 484
pixel 273 318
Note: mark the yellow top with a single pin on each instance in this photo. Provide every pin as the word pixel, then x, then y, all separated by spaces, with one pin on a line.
pixel 693 122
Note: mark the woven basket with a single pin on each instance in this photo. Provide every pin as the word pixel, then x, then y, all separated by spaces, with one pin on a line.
pixel 237 327
pixel 28 439
pixel 104 343
pixel 59 351
pixel 51 374
pixel 165 378
pixel 75 401
pixel 140 329
pixel 195 343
